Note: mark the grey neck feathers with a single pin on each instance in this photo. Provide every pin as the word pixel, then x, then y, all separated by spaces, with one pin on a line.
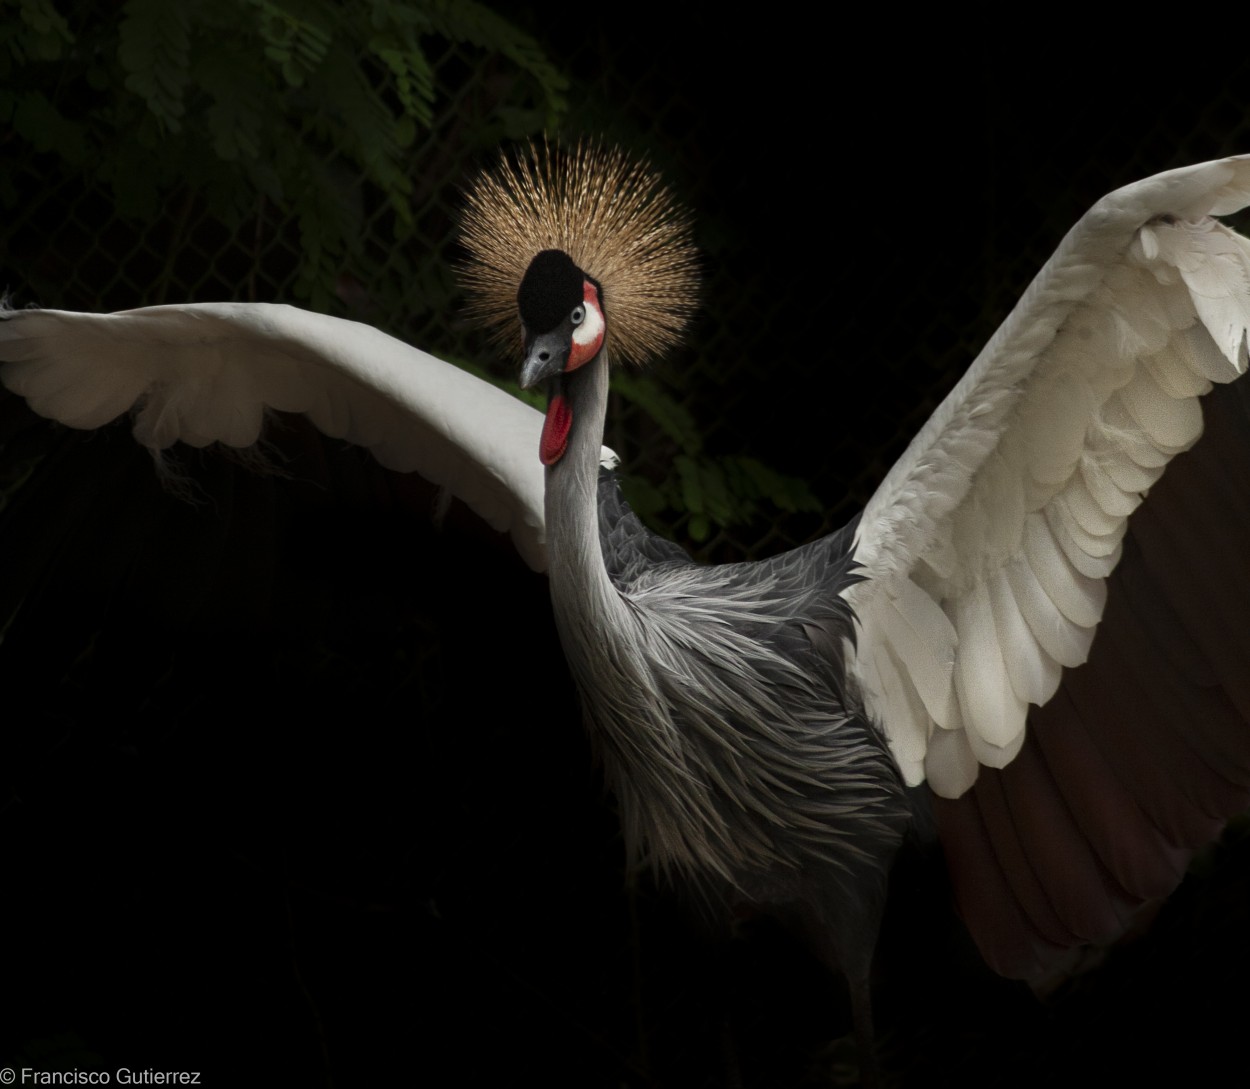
pixel 581 591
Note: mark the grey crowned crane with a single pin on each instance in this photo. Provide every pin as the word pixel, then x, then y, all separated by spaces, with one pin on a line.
pixel 1007 622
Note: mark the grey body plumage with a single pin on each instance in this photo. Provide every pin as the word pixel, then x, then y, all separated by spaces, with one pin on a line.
pixel 769 760
pixel 738 750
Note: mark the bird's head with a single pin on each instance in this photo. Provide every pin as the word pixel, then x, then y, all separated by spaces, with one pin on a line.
pixel 562 322
pixel 562 328
pixel 574 254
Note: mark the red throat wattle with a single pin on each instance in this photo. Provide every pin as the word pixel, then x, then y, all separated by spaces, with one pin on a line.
pixel 556 427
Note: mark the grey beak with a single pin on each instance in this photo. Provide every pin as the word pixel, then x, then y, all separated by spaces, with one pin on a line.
pixel 546 356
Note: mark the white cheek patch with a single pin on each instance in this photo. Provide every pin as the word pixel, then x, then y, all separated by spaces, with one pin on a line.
pixel 591 329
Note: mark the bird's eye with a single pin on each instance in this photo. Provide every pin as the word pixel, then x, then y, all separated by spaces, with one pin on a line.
pixel 578 315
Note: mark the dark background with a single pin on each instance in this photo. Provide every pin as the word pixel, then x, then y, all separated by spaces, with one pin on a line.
pixel 293 787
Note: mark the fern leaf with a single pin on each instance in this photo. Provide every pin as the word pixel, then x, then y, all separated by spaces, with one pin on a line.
pixel 154 48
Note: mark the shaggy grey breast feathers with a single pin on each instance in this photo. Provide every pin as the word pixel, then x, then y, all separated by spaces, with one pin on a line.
pixel 727 731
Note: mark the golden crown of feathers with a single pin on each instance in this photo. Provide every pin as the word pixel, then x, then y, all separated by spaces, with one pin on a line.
pixel 611 214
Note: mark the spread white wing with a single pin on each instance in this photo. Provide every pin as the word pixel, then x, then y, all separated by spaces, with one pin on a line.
pixel 207 373
pixel 988 544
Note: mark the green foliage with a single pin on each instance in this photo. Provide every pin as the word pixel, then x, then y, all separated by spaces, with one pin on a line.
pixel 297 41
pixel 40 33
pixel 472 22
pixel 716 492
pixel 154 47
pixel 37 121
pixel 238 104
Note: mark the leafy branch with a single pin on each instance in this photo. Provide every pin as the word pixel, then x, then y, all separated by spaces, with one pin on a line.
pixel 289 104
pixel 715 491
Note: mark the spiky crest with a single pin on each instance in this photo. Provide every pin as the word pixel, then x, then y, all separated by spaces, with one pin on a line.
pixel 611 214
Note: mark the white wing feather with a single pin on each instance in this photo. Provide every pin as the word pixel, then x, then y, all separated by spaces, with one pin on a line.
pixel 993 533
pixel 207 373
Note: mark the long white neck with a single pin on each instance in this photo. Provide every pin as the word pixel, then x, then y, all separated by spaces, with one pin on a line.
pixel 584 598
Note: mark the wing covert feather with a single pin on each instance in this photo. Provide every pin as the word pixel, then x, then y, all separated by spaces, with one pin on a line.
pixel 1009 507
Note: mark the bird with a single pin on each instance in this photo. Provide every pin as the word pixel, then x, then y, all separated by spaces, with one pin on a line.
pixel 1031 628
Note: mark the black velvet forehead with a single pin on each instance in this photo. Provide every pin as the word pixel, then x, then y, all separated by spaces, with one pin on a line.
pixel 549 290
